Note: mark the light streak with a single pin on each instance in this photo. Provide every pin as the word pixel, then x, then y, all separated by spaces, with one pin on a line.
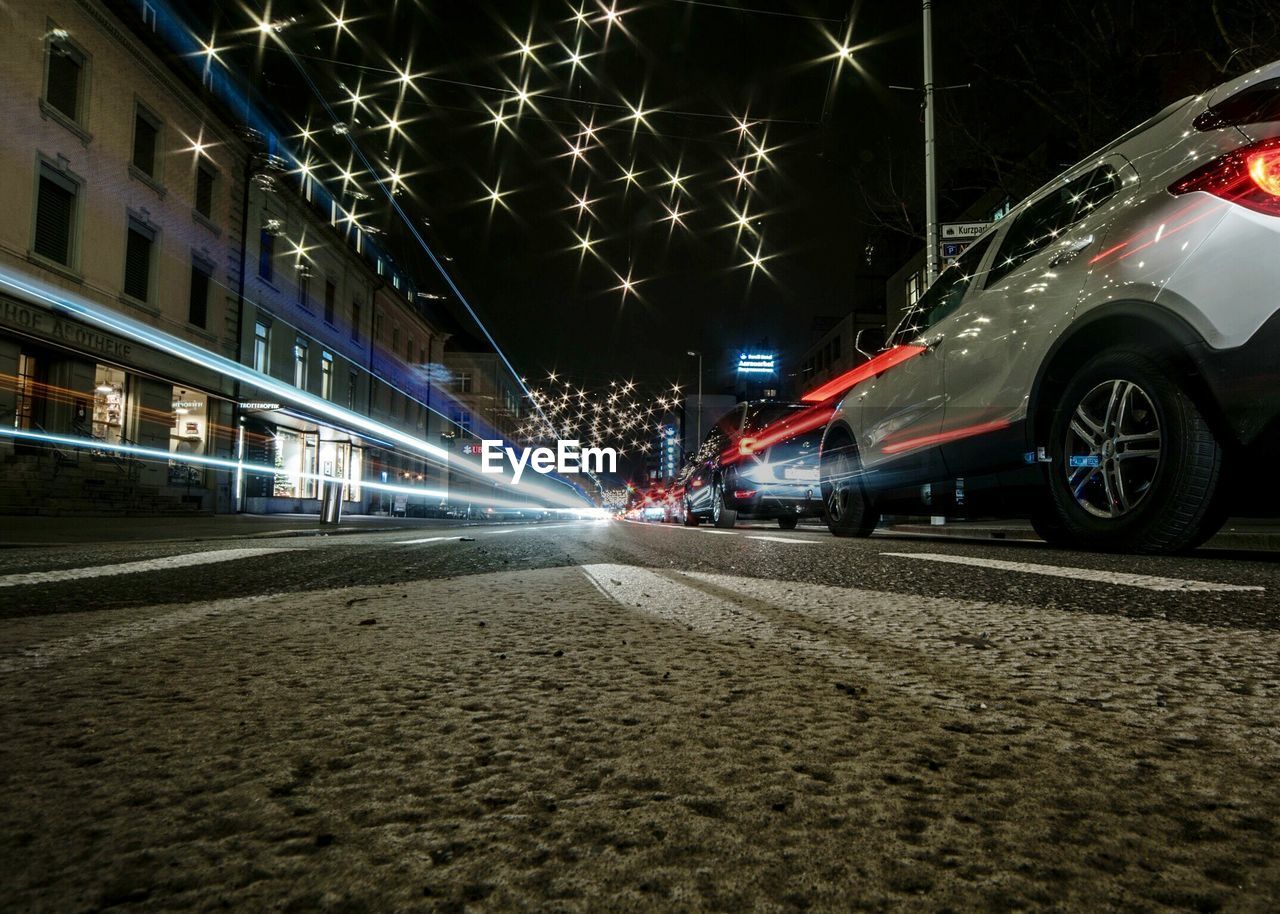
pixel 852 378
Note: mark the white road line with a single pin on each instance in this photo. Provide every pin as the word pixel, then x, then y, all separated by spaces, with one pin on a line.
pixel 782 539
pixel 98 571
pixel 1122 578
pixel 718 532
pixel 427 539
pixel 45 653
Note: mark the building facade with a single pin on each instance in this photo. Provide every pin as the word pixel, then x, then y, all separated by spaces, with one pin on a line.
pixel 149 236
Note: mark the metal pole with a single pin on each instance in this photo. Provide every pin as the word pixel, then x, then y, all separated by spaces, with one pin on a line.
pixel 930 163
pixel 699 440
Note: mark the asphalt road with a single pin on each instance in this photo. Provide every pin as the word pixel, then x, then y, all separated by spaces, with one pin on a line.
pixel 617 716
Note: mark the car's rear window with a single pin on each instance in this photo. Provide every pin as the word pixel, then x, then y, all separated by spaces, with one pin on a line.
pixel 1254 105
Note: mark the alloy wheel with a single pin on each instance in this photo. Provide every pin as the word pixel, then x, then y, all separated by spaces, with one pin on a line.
pixel 1113 449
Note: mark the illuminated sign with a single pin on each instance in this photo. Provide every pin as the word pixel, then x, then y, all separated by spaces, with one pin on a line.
pixel 756 363
pixel 255 405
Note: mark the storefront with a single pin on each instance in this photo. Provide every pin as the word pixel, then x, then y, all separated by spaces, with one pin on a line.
pixel 302 453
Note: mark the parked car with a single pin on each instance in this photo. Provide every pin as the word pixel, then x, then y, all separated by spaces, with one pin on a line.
pixel 1103 359
pixel 754 463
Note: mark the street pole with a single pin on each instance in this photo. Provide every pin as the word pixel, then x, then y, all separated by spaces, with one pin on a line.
pixel 930 163
pixel 698 439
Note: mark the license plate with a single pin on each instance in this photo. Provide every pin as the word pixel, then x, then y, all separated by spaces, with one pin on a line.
pixel 800 474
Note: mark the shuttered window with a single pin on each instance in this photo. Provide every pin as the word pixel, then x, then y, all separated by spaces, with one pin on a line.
pixel 145 133
pixel 55 213
pixel 198 307
pixel 63 79
pixel 204 191
pixel 137 260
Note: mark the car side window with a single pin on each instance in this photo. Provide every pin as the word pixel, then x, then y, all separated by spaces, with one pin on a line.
pixel 1041 223
pixel 946 293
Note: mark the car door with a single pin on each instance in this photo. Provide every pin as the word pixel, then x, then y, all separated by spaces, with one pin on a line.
pixel 900 411
pixel 994 344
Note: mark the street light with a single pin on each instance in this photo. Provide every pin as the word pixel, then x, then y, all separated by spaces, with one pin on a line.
pixel 691 353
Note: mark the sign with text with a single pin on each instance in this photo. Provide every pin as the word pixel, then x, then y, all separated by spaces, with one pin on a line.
pixel 961 231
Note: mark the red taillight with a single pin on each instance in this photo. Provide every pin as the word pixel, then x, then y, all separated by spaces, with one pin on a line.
pixel 744 493
pixel 1249 176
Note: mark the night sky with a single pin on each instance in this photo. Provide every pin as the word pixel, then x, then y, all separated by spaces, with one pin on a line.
pixel 775 176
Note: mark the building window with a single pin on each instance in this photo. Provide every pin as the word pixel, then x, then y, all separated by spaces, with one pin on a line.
pixel 261 347
pixel 205 176
pixel 139 246
pixel 462 420
pixel 188 435
pixel 198 306
pixel 326 375
pixel 300 363
pixel 462 382
pixel 146 140
pixel 914 290
pixel 304 286
pixel 64 78
pixel 109 404
pixel 355 320
pixel 266 255
pixel 56 212
pixel 395 338
pixel 24 413
pixel 408 351
pixel 353 382
pixel 330 300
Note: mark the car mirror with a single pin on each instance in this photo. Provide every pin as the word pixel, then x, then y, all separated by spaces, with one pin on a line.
pixel 869 341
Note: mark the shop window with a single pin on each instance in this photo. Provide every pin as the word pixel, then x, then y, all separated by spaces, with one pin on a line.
pixel 300 363
pixel 24 413
pixel 198 305
pixel 261 347
pixel 139 248
pixel 295 455
pixel 326 375
pixel 205 176
pixel 56 212
pixel 188 436
pixel 146 141
pixel 109 404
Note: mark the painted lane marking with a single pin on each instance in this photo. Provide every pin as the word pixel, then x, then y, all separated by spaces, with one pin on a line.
pixel 782 539
pixel 98 571
pixel 717 532
pixel 45 653
pixel 427 539
pixel 1121 578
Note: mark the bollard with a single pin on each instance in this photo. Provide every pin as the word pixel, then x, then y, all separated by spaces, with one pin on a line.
pixel 331 502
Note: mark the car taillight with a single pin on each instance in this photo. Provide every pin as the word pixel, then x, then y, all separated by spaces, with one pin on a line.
pixel 1249 176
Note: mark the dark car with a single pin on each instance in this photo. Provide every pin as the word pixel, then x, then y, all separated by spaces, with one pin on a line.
pixel 759 461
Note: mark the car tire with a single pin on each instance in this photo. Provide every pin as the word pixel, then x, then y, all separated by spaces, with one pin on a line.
pixel 847 507
pixel 788 523
pixel 1134 466
pixel 690 519
pixel 722 515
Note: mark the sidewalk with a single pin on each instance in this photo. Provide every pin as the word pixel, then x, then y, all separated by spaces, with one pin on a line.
pixel 17 532
pixel 1237 533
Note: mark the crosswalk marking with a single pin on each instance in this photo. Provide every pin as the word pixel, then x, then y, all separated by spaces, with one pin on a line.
pixel 1122 578
pixel 99 571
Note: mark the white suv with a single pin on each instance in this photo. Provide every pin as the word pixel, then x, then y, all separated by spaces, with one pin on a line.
pixel 1104 360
